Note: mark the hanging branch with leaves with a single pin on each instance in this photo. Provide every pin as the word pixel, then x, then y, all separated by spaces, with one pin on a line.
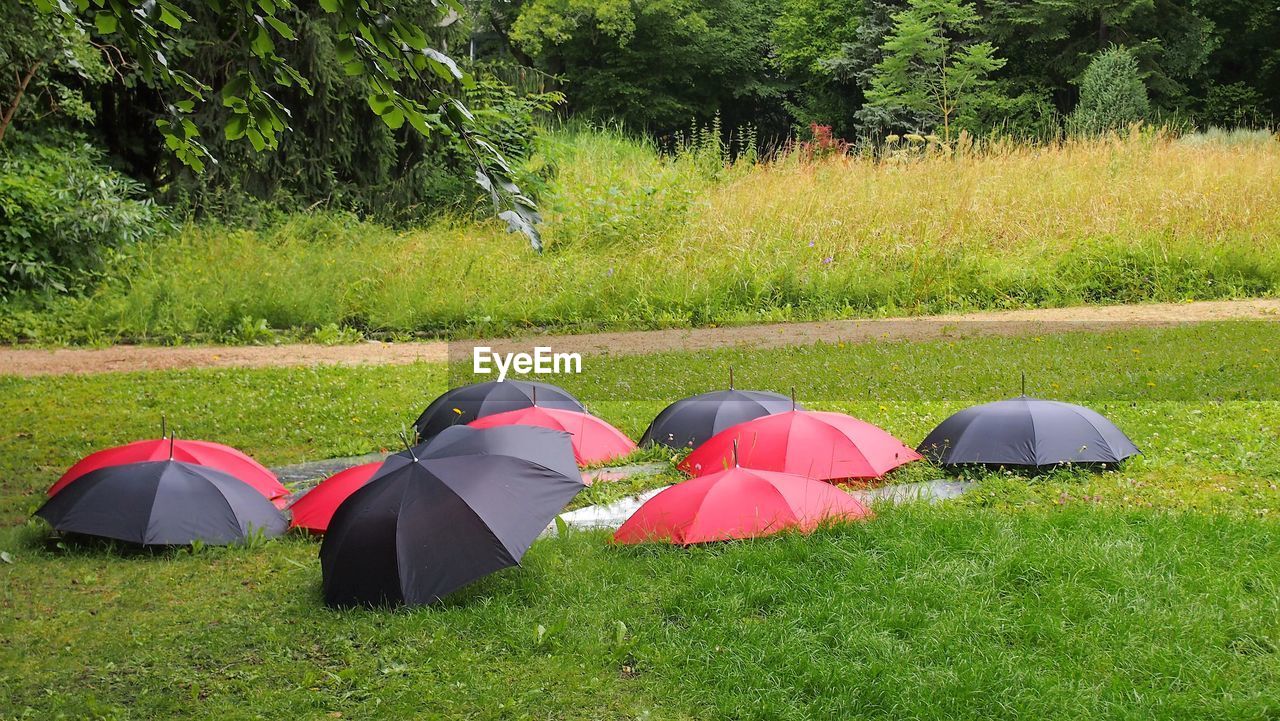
pixel 410 81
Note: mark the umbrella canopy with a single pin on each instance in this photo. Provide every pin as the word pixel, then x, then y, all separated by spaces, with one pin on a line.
pixel 1026 431
pixel 162 503
pixel 689 422
pixel 737 503
pixel 461 405
pixel 424 528
pixel 314 511
pixel 594 440
pixel 202 453
pixel 814 444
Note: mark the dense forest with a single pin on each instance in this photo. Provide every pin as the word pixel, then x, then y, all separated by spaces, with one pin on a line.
pixel 86 118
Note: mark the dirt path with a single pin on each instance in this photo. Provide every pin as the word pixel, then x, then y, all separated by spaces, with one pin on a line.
pixel 31 362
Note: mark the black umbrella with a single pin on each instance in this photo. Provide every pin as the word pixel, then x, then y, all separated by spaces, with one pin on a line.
pixel 1026 431
pixel 162 503
pixel 689 422
pixel 460 406
pixel 425 527
pixel 543 446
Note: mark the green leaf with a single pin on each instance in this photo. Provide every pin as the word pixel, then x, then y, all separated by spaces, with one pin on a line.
pixel 285 31
pixel 329 6
pixel 169 18
pixel 235 127
pixel 419 123
pixel 106 22
pixel 345 49
pixel 262 44
pixel 256 139
pixel 380 103
pixel 394 119
pixel 353 68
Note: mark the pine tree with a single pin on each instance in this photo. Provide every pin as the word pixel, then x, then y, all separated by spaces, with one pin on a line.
pixel 1112 94
pixel 932 66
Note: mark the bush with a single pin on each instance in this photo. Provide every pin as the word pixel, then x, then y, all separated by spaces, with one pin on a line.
pixel 62 215
pixel 1112 94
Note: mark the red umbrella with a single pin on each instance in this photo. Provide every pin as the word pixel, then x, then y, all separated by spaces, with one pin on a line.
pixel 594 441
pixel 737 503
pixel 814 444
pixel 313 511
pixel 201 453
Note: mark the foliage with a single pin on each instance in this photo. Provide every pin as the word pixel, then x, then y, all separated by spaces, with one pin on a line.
pixel 1112 94
pixel 409 83
pixel 642 240
pixel 656 65
pixel 1050 44
pixel 63 215
pixel 931 66
pixel 42 56
pixel 811 40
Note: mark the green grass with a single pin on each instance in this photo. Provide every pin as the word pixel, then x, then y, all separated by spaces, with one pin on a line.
pixel 923 613
pixel 1198 399
pixel 639 241
pixel 1147 592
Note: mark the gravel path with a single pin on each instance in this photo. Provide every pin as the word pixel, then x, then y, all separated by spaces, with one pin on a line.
pixel 32 362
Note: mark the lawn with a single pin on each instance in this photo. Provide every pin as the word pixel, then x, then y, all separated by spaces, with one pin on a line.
pixel 637 240
pixel 1149 592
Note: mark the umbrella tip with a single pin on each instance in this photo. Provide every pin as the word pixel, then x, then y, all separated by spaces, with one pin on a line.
pixel 793 398
pixel 171 439
pixel 1024 384
pixel 730 377
pixel 735 452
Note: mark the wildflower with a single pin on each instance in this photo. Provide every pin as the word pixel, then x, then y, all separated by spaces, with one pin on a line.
pixel 891 139
pixel 811 244
pixel 915 138
pixel 609 272
pixel 827 260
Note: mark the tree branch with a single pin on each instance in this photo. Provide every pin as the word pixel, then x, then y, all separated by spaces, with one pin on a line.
pixel 17 98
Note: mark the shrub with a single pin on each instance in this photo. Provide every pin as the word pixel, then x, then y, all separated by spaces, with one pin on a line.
pixel 62 214
pixel 1112 94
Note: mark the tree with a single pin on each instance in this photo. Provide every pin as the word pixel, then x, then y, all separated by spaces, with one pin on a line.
pixel 409 82
pixel 1049 43
pixel 1112 95
pixel 39 53
pixel 931 66
pixel 657 65
pixel 809 38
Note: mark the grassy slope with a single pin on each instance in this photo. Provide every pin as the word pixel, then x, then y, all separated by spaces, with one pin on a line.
pixel 1102 608
pixel 641 242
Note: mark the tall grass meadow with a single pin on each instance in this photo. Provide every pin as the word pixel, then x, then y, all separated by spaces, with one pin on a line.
pixel 640 236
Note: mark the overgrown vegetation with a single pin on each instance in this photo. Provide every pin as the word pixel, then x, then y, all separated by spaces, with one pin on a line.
pixel 1162 573
pixel 64 216
pixel 636 240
